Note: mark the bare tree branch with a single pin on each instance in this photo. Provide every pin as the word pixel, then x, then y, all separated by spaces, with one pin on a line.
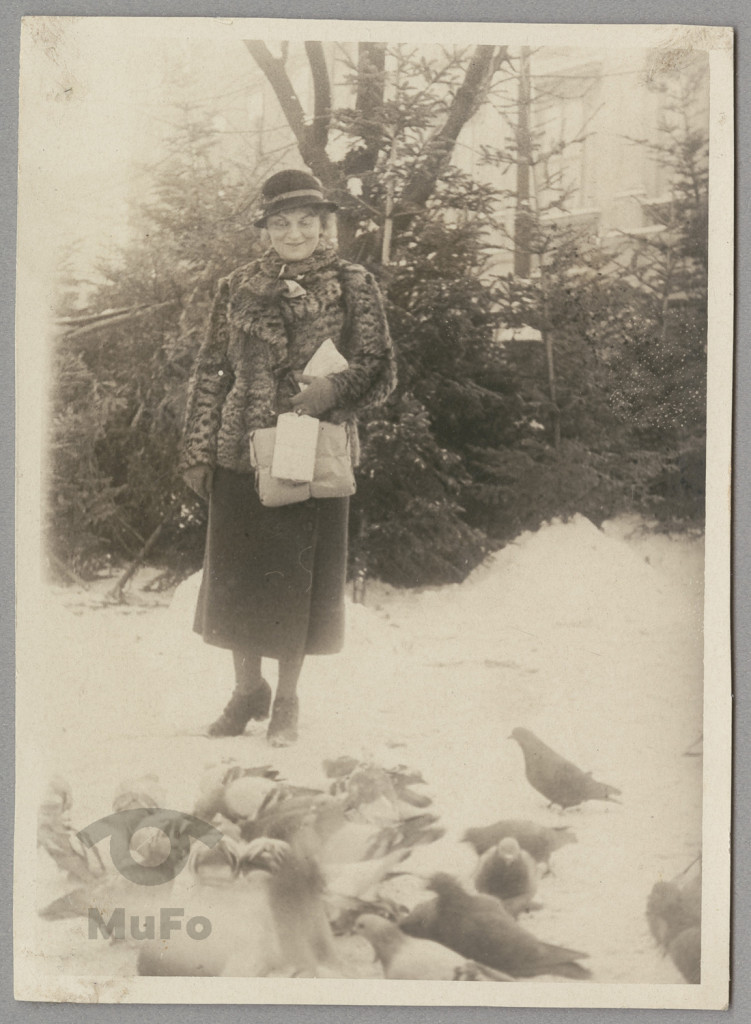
pixel 467 100
pixel 321 94
pixel 276 74
pixel 116 592
pixel 98 321
pixel 89 318
pixel 312 153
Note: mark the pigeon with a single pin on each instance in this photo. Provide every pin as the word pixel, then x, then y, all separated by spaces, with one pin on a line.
pixel 538 840
pixel 211 865
pixel 265 902
pixel 56 835
pixel 675 905
pixel 417 830
pixel 145 791
pixel 364 783
pixel 508 873
pixel 685 952
pixel 671 909
pixel 406 958
pixel 343 911
pixel 238 793
pixel 560 781
pixel 480 928
pixel 296 894
pixel 243 940
pixel 339 767
pixel 674 917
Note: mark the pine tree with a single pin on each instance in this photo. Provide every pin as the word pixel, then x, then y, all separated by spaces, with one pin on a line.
pixel 121 379
pixel 660 364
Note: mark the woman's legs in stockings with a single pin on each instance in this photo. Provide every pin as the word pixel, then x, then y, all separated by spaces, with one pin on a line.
pixel 283 725
pixel 247 671
pixel 251 698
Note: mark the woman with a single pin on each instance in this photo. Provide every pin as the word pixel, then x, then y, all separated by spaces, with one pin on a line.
pixel 273 580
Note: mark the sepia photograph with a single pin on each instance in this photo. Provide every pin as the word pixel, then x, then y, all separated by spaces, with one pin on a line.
pixel 374 388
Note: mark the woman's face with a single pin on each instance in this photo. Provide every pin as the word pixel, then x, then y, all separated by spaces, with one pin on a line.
pixel 294 233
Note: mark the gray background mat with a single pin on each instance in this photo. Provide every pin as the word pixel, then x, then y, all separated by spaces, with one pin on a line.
pixel 721 12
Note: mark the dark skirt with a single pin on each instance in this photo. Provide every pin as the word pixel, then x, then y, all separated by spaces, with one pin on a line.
pixel 273 578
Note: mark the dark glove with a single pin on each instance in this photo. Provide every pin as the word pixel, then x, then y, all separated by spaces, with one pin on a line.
pixel 318 397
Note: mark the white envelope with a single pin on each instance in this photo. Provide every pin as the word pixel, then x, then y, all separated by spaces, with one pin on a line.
pixel 325 360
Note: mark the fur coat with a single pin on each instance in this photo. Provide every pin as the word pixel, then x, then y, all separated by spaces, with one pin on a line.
pixel 267 320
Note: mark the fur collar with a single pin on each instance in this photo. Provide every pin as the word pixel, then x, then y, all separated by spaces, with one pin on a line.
pixel 258 289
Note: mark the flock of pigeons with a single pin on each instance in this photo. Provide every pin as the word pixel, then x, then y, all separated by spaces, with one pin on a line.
pixel 298 869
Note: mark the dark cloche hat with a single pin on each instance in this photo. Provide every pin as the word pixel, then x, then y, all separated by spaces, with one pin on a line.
pixel 287 190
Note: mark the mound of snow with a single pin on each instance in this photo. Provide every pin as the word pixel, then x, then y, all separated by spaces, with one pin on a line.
pixel 570 575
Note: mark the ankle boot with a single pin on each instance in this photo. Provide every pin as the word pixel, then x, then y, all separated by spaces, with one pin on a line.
pixel 242 707
pixel 282 730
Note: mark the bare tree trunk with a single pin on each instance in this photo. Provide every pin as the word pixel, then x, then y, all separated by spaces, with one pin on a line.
pixel 321 95
pixel 522 220
pixel 547 337
pixel 360 574
pixel 388 213
pixel 555 413
pixel 371 68
pixel 388 226
pixel 545 330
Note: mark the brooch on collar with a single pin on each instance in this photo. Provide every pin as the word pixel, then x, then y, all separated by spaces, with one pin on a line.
pixel 294 289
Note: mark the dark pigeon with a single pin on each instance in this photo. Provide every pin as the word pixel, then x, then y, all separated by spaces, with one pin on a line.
pixel 674 917
pixel 672 908
pixel 481 929
pixel 508 873
pixel 557 779
pixel 405 957
pixel 685 952
pixel 538 840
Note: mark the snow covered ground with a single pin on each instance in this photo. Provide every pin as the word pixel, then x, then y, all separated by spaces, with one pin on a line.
pixel 590 638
